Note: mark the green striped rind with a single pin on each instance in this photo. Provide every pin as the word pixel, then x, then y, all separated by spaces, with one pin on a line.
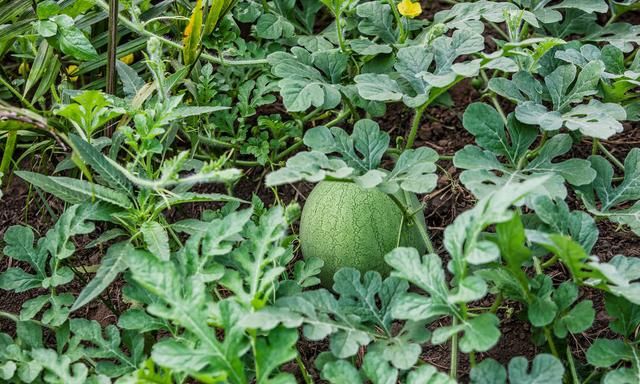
pixel 347 226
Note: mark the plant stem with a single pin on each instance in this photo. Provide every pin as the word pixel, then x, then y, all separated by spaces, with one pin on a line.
pixel 534 152
pixel 496 303
pixel 343 115
pixel 594 146
pixel 498 107
pixel 453 367
pixel 396 15
pixel 552 345
pixel 415 124
pixel 572 367
pixel 550 262
pixel 411 218
pixel 343 48
pixel 425 237
pixel 141 31
pixel 591 376
pixel 289 150
pixel 112 46
pixel 610 156
pixel 499 30
pixel 303 370
pixel 215 142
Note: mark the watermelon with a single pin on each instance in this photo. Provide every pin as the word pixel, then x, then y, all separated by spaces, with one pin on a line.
pixel 348 226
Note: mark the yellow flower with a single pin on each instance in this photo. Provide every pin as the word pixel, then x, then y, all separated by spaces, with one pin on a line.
pixel 71 71
pixel 128 59
pixel 24 68
pixel 409 9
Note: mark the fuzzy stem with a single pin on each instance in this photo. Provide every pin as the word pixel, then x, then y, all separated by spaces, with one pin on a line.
pixel 343 47
pixel 453 368
pixel 415 124
pixel 303 370
pixel 411 218
pixel 610 156
pixel 403 33
pixel 572 367
pixel 552 345
pixel 496 303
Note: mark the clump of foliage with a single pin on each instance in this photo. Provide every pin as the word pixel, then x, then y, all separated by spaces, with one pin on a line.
pixel 193 96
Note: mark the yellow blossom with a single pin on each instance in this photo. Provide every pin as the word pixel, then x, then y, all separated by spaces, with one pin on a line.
pixel 128 59
pixel 409 9
pixel 71 71
pixel 24 68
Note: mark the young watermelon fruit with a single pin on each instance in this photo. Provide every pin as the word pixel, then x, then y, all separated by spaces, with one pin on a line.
pixel 348 226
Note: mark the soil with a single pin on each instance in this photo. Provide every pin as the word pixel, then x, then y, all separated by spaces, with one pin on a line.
pixel 441 130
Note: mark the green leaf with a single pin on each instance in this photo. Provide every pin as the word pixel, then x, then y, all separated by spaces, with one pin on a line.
pixel 138 320
pixel 426 272
pixel 367 139
pixel 492 209
pixel 604 353
pixel 480 166
pixel 480 333
pixel 272 352
pixel 587 6
pixel 366 47
pixel 17 280
pixel 378 370
pixel 110 267
pixel 611 196
pixel 414 172
pixel 72 41
pixel 310 166
pixel 488 371
pixel 377 21
pixel 108 346
pixel 544 369
pixel 340 371
pixel 58 190
pixel 378 87
pixel 485 123
pixel 627 190
pixel 192 35
pixel 577 320
pixel 131 82
pixel 96 160
pixel 416 80
pixel 428 374
pixel 272 27
pixel 325 316
pixel 259 262
pixel 76 191
pixel 302 85
pixel 556 215
pixel 626 316
pixel 621 35
pixel 59 366
pixel 46 28
pixel 156 239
